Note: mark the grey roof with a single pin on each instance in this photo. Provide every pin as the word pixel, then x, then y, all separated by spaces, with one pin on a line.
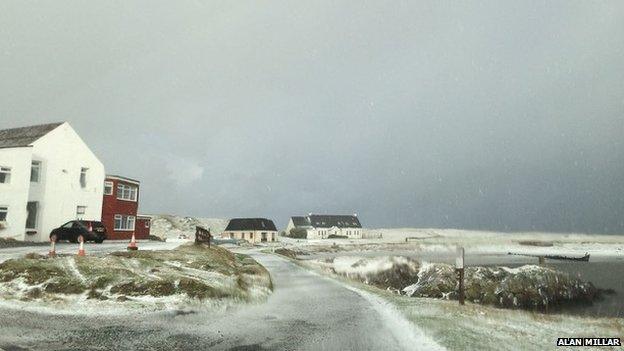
pixel 340 221
pixel 24 136
pixel 301 221
pixel 251 224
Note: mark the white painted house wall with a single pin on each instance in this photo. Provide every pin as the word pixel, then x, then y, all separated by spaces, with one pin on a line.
pixel 251 236
pixel 324 233
pixel 58 193
pixel 63 153
pixel 289 226
pixel 14 194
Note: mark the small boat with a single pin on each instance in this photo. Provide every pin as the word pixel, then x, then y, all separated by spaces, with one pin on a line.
pixel 584 258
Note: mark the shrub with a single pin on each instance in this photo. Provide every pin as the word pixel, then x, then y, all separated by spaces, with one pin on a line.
pixel 299 233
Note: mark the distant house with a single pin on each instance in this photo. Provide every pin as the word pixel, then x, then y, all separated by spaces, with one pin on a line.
pixel 120 208
pixel 253 230
pixel 48 176
pixel 324 226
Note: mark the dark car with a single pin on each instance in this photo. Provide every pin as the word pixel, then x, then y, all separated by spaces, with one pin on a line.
pixel 72 230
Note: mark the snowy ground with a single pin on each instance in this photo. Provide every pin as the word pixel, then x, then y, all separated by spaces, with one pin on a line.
pixel 441 244
pixel 305 312
pixel 171 226
pixel 120 282
pixel 478 327
pixel 528 286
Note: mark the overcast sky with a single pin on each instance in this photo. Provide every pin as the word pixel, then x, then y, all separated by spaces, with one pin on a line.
pixel 502 115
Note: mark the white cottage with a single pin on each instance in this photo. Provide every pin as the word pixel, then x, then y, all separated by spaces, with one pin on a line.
pixel 48 176
pixel 253 230
pixel 327 226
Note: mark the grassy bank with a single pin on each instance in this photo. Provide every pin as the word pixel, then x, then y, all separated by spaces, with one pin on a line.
pixel 188 273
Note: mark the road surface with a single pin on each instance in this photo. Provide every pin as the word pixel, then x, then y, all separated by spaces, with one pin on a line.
pixel 305 312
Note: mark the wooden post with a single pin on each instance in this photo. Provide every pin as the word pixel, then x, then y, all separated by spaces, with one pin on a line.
pixel 459 263
pixel 202 235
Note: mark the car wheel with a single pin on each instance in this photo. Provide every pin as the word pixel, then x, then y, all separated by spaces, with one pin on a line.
pixel 99 241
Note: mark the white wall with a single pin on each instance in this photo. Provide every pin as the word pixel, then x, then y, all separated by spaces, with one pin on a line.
pixel 257 235
pixel 15 194
pixel 323 233
pixel 290 226
pixel 63 153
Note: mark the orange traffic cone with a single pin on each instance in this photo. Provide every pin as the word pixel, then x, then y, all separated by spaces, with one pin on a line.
pixel 81 250
pixel 52 252
pixel 133 245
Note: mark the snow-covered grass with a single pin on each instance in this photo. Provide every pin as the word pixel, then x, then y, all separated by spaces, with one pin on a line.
pixel 474 326
pixel 478 327
pixel 525 287
pixel 190 274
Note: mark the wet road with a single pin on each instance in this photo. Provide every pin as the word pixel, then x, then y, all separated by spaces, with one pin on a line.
pixel 305 312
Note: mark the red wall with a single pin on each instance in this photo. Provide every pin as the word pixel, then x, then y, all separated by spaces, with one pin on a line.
pixel 142 228
pixel 111 206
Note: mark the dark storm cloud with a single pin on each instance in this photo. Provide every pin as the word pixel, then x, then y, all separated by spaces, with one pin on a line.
pixel 492 115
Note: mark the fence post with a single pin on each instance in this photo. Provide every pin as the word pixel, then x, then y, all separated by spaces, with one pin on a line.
pixel 202 235
pixel 459 263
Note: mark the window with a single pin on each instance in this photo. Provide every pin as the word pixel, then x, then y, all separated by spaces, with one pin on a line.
pixel 108 188
pixel 35 171
pixel 123 222
pixel 147 224
pixel 80 211
pixel 5 175
pixel 126 192
pixel 83 177
pixel 4 211
pixel 31 220
pixel 250 235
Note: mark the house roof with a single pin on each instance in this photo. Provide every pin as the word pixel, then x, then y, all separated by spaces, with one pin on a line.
pixel 340 221
pixel 300 221
pixel 250 224
pixel 24 136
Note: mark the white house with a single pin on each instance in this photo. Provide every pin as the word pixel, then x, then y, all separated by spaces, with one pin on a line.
pixel 324 226
pixel 48 176
pixel 253 230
